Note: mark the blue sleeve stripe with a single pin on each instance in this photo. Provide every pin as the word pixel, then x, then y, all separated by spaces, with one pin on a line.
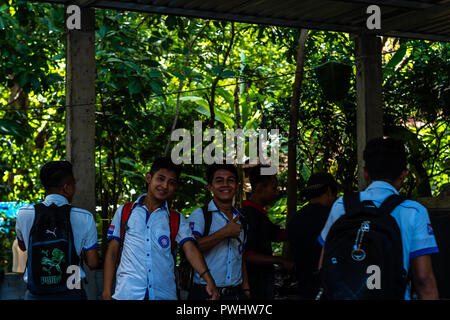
pixel 113 237
pixel 423 252
pixel 95 246
pixel 186 240
pixel 321 241
pixel 196 233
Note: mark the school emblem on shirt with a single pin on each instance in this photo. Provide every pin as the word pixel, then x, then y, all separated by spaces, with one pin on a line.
pixel 163 241
pixel 191 225
pixel 429 229
pixel 111 229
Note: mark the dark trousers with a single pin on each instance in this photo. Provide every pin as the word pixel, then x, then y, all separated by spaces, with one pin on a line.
pixel 261 285
pixel 198 292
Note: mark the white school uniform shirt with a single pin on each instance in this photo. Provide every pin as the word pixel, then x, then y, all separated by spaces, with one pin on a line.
pixel 412 218
pixel 83 226
pixel 224 261
pixel 146 267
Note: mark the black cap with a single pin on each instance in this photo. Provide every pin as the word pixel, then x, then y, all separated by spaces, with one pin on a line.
pixel 318 184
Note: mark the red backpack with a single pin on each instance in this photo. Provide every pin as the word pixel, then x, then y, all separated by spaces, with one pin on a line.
pixel 174 222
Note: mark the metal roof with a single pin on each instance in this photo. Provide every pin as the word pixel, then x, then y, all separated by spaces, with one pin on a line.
pixel 418 19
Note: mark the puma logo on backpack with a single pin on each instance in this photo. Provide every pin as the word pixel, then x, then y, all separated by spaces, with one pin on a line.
pixel 51 232
pixel 365 238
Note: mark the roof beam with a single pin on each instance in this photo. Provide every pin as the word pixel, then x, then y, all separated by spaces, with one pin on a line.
pixel 405 4
pixel 416 17
pixel 404 24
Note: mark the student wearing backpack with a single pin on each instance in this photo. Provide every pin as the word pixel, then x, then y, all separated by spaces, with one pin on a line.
pixel 55 234
pixel 304 228
pixel 261 233
pixel 404 235
pixel 223 246
pixel 146 268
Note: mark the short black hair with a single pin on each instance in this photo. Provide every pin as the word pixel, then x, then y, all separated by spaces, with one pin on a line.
pixel 165 163
pixel 256 177
pixel 55 174
pixel 385 158
pixel 318 185
pixel 215 167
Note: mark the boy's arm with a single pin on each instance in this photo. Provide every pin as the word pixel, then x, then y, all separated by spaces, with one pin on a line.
pixel 258 259
pixel 109 269
pixel 20 238
pixel 91 258
pixel 245 285
pixel 197 261
pixel 321 259
pixel 423 278
pixel 90 253
pixel 231 230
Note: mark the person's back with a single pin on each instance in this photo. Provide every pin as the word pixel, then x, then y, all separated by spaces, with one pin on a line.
pixel 304 228
pixel 385 171
pixel 75 224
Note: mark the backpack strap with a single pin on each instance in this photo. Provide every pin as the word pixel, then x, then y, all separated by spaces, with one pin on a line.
pixel 207 215
pixel 244 224
pixel 352 204
pixel 125 215
pixel 174 223
pixel 391 203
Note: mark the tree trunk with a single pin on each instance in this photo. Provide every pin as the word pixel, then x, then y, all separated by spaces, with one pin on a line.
pixel 293 132
pixel 240 192
pixel 180 87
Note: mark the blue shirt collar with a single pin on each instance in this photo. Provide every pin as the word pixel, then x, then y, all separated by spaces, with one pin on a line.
pixel 382 185
pixel 57 199
pixel 140 202
pixel 213 208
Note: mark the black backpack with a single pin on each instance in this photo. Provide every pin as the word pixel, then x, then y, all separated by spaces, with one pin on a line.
pixel 363 256
pixel 185 272
pixel 51 250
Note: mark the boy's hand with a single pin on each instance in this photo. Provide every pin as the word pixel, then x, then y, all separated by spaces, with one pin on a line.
pixel 212 290
pixel 233 228
pixel 106 296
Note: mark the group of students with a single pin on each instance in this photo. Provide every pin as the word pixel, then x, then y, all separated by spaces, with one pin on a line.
pixel 229 249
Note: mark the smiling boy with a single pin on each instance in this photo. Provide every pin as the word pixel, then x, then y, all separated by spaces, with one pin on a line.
pixel 223 245
pixel 146 268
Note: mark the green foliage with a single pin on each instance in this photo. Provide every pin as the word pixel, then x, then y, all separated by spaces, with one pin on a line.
pixel 7 237
pixel 147 65
pixel 417 110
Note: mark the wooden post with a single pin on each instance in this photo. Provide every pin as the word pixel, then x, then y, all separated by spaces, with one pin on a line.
pixel 80 117
pixel 293 123
pixel 369 115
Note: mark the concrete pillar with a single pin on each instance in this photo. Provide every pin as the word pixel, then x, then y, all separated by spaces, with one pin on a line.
pixel 80 116
pixel 369 115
